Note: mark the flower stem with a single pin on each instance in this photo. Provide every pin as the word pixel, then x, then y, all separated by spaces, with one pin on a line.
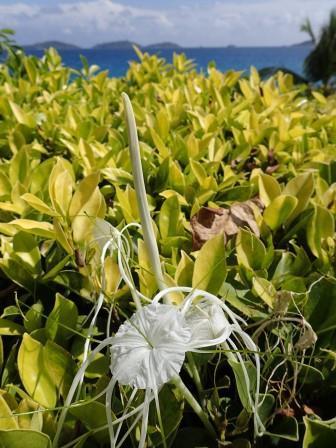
pixel 193 403
pixel 195 373
pixel 228 353
pixel 140 190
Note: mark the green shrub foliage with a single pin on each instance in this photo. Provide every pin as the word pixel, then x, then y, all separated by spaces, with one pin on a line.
pixel 212 140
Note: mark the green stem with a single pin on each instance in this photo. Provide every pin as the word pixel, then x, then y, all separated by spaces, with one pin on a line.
pixel 195 374
pixel 193 403
pixel 228 352
pixel 140 190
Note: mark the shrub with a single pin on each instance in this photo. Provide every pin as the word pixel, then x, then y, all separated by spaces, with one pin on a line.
pixel 252 160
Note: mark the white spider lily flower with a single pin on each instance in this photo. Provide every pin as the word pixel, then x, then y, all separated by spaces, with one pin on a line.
pixel 207 321
pixel 149 349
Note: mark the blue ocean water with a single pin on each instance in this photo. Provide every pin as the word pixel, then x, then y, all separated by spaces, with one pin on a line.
pixel 236 58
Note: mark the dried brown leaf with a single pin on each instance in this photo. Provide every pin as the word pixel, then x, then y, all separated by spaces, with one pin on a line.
pixel 209 222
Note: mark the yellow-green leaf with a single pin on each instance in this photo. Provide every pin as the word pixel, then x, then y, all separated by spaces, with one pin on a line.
pixel 44 229
pixel 62 319
pixel 265 290
pixel 10 328
pixel 210 266
pixel 319 228
pixel 184 270
pixel 86 205
pixel 302 188
pixel 279 210
pixel 24 438
pixel 147 280
pixel 7 419
pixel 269 188
pixel 251 251
pixel 162 148
pixel 25 118
pixel 34 374
pixel 61 237
pixel 61 186
pixel 38 204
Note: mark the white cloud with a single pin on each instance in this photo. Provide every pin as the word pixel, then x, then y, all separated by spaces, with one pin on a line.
pixel 17 10
pixel 206 22
pixel 89 21
pixel 250 22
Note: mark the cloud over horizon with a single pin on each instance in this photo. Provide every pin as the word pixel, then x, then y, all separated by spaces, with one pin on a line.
pixel 202 22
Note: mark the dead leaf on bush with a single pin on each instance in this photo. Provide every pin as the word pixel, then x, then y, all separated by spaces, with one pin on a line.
pixel 209 222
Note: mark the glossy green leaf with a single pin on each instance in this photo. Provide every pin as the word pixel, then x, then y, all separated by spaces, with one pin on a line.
pixel 23 438
pixel 147 280
pixel 61 186
pixel 31 417
pixel 45 371
pixel 265 290
pixel 320 306
pixel 38 204
pixel 86 205
pixel 172 406
pixel 7 420
pixel 269 188
pixel 5 187
pixel 241 382
pixel 10 328
pixel 285 428
pixel 318 434
pixel 302 188
pixel 251 251
pixel 319 228
pixel 19 167
pixel 158 142
pixel 43 229
pixel 184 270
pixel 33 317
pixel 23 117
pixel 85 190
pixel 162 123
pixel 27 252
pixel 62 320
pixel 92 415
pixel 18 274
pixel 169 217
pixel 279 210
pixel 210 266
pixel 35 376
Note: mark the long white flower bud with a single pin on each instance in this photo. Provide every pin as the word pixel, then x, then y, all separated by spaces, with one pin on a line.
pixel 146 222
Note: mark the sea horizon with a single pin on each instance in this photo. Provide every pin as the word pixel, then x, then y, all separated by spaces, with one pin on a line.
pixel 117 60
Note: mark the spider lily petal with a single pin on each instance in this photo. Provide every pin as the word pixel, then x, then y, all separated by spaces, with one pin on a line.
pixel 207 322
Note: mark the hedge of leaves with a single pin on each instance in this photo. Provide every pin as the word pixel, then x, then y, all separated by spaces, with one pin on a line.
pixel 209 142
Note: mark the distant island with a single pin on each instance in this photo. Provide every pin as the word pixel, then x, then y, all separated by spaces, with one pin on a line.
pixel 162 46
pixel 52 43
pixel 306 43
pixel 128 45
pixel 116 45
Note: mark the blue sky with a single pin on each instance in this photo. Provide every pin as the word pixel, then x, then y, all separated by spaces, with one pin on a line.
pixel 187 22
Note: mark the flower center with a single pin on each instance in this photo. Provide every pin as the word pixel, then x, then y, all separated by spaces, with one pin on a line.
pixel 149 349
